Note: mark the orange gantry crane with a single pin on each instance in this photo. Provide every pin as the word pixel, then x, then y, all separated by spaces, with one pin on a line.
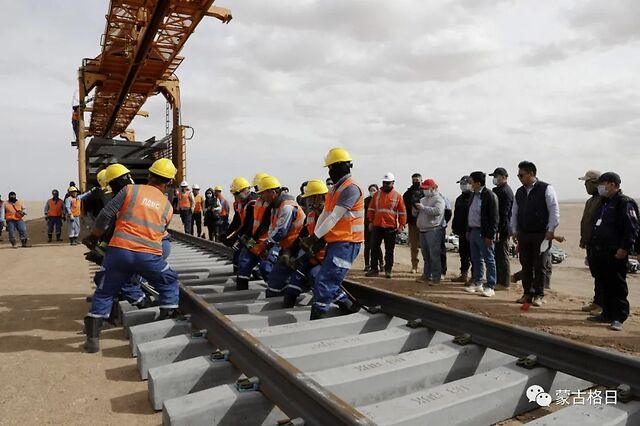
pixel 140 54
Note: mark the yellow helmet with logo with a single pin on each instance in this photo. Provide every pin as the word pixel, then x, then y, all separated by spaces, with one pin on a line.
pixel 72 189
pixel 217 188
pixel 237 184
pixel 164 167
pixel 258 176
pixel 114 171
pixel 267 183
pixel 336 155
pixel 315 187
pixel 101 179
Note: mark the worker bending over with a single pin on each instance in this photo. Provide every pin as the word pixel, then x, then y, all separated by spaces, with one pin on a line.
pixel 143 215
pixel 341 225
pixel 244 200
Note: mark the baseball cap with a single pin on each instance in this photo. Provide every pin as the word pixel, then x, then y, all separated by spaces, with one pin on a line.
pixel 610 177
pixel 428 183
pixel 464 179
pixel 500 171
pixel 590 175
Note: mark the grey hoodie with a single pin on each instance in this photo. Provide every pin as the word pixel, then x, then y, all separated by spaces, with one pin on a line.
pixel 430 214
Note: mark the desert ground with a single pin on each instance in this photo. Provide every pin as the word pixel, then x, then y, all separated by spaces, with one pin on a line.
pixel 48 379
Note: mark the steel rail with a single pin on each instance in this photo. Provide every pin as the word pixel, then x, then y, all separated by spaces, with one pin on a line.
pixel 597 365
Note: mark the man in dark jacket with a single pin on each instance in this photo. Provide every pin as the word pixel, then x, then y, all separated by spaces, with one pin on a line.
pixel 591 208
pixel 367 235
pixel 459 228
pixel 412 195
pixel 482 227
pixel 505 203
pixel 614 236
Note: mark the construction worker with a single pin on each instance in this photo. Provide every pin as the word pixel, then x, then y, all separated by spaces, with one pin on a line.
pixel 186 203
pixel 223 213
pixel 1 217
pixel 287 220
pixel 254 240
pixel 387 215
pixel 341 226
pixel 244 200
pixel 75 122
pixel 142 214
pixel 72 208
pixel 197 211
pixel 298 267
pixel 53 211
pixel 14 211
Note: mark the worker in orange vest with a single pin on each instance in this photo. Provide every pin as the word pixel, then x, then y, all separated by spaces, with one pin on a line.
pixel 242 224
pixel 223 213
pixel 387 215
pixel 73 210
pixel 14 211
pixel 341 226
pixel 142 214
pixel 186 203
pixel 196 221
pixel 53 211
pixel 287 220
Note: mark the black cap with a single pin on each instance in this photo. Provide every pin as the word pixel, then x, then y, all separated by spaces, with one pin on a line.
pixel 610 177
pixel 464 179
pixel 500 171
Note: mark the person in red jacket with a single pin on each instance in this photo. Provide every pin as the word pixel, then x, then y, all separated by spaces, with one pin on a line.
pixel 387 215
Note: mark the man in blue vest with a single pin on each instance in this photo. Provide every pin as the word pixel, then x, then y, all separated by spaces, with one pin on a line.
pixel 534 219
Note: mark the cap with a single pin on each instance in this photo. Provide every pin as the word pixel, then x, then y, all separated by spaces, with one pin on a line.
pixel 590 175
pixel 500 171
pixel 196 186
pixel 428 183
pixel 610 177
pixel 464 179
pixel 388 177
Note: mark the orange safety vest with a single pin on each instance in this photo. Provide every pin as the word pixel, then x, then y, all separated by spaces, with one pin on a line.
pixel 296 225
pixel 75 116
pixel 55 208
pixel 75 207
pixel 12 211
pixel 142 220
pixel 311 227
pixel 259 209
pixel 184 201
pixel 387 210
pixel 197 206
pixel 350 227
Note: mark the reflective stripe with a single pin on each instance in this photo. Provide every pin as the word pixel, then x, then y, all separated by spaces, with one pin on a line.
pixel 357 228
pixel 166 268
pixel 359 213
pixel 134 239
pixel 168 306
pixel 295 287
pixel 142 222
pixel 393 212
pixel 243 277
pixel 320 304
pixel 275 290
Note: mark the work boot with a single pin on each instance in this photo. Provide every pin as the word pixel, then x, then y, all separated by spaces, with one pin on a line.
pixel 49 237
pixel 58 238
pixel 13 244
pixel 289 301
pixel 242 284
pixel 371 273
pixel 92 329
pixel 166 313
pixel 348 307
pixel 24 243
pixel 316 314
pixel 144 303
pixel 462 278
pixel 71 241
pixel 388 274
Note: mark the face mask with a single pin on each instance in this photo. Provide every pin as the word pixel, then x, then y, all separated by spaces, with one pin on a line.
pixel 465 187
pixel 495 181
pixel 602 191
pixel 12 199
pixel 387 188
pixel 209 195
pixel 415 185
pixel 427 192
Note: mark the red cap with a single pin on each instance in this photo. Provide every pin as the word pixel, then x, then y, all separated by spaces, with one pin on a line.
pixel 428 183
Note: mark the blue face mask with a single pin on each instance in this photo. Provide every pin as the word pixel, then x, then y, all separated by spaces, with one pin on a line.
pixel 602 191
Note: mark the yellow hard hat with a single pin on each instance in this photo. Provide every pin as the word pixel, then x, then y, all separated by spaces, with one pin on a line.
pixel 336 155
pixel 114 171
pixel 101 178
pixel 164 167
pixel 217 188
pixel 268 182
pixel 238 184
pixel 315 187
pixel 258 176
pixel 72 189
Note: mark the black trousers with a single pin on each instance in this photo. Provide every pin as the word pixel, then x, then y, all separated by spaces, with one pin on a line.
pixel 464 250
pixel 610 275
pixel 534 269
pixel 597 287
pixel 197 221
pixel 503 266
pixel 443 253
pixel 378 235
pixel 368 249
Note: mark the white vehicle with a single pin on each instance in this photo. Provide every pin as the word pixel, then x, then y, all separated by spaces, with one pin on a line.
pixel 452 243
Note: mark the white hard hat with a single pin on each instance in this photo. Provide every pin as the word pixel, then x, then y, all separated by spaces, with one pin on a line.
pixel 196 186
pixel 388 177
pixel 184 183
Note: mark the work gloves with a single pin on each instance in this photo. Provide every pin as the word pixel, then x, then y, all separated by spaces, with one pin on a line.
pixel 312 244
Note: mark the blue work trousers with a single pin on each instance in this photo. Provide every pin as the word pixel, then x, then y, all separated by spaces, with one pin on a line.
pixel 120 265
pixel 482 255
pixel 187 220
pixel 12 226
pixel 74 227
pixel 54 223
pixel 247 261
pixel 337 262
pixel 431 247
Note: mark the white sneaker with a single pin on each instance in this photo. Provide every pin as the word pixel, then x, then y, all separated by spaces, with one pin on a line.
pixel 473 288
pixel 488 292
pixel 414 271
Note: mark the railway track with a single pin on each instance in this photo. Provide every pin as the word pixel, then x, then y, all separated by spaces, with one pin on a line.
pixel 238 359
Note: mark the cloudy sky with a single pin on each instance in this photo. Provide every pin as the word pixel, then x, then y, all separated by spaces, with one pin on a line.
pixel 440 87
